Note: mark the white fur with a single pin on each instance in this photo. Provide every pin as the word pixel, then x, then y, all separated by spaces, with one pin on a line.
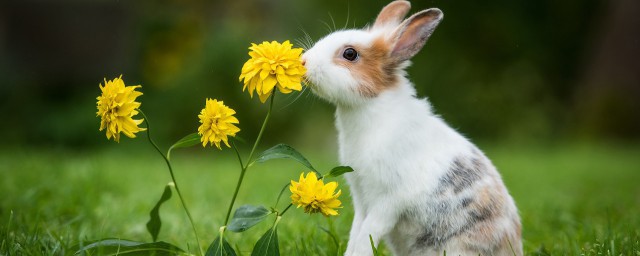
pixel 339 85
pixel 395 165
pixel 399 150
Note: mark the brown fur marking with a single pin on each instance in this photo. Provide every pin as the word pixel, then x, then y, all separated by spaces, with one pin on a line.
pixel 374 69
pixel 489 204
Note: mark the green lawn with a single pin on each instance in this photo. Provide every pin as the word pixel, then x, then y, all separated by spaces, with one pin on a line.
pixel 574 199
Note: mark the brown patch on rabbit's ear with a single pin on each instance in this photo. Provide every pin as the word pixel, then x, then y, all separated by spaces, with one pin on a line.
pixel 392 14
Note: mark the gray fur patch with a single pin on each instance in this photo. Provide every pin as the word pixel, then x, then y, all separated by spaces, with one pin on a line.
pixel 481 214
pixel 466 201
pixel 453 214
pixel 442 231
pixel 428 239
pixel 463 173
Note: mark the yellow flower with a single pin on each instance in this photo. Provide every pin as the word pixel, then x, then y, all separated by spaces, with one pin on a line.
pixel 217 123
pixel 116 106
pixel 312 194
pixel 273 64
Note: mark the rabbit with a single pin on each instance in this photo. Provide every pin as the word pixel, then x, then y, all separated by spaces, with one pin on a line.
pixel 418 184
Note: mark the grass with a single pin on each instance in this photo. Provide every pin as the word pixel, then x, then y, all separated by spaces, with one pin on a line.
pixel 574 199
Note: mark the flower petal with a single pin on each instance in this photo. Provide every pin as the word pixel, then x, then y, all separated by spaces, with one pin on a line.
pixel 272 64
pixel 217 123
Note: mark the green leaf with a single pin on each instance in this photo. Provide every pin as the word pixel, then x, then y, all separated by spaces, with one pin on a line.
pixel 339 170
pixel 284 151
pixel 220 247
pixel 247 216
pixel 154 223
pixel 267 245
pixel 187 141
pixel 128 248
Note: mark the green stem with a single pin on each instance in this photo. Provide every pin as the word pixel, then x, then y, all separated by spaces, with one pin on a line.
pixel 264 125
pixel 235 193
pixel 245 167
pixel 233 144
pixel 285 210
pixel 280 195
pixel 173 178
pixel 278 218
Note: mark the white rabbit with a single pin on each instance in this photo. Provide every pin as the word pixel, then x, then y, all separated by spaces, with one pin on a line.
pixel 418 184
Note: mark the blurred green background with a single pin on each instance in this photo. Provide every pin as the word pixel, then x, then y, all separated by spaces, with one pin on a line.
pixel 516 71
pixel 549 89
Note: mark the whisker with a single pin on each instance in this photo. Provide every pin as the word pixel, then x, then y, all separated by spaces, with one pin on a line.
pixel 305 41
pixel 346 23
pixel 309 96
pixel 304 89
pixel 313 99
pixel 301 42
pixel 333 22
pixel 327 26
pixel 309 41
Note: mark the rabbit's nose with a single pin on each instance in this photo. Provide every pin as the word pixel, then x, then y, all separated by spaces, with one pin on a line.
pixel 304 61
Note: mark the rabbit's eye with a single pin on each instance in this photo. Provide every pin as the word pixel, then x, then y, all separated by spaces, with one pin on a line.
pixel 350 54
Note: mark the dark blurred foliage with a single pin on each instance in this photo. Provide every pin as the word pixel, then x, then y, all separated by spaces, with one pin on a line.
pixel 495 70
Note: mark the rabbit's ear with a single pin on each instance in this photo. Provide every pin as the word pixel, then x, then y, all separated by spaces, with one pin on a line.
pixel 412 34
pixel 392 14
